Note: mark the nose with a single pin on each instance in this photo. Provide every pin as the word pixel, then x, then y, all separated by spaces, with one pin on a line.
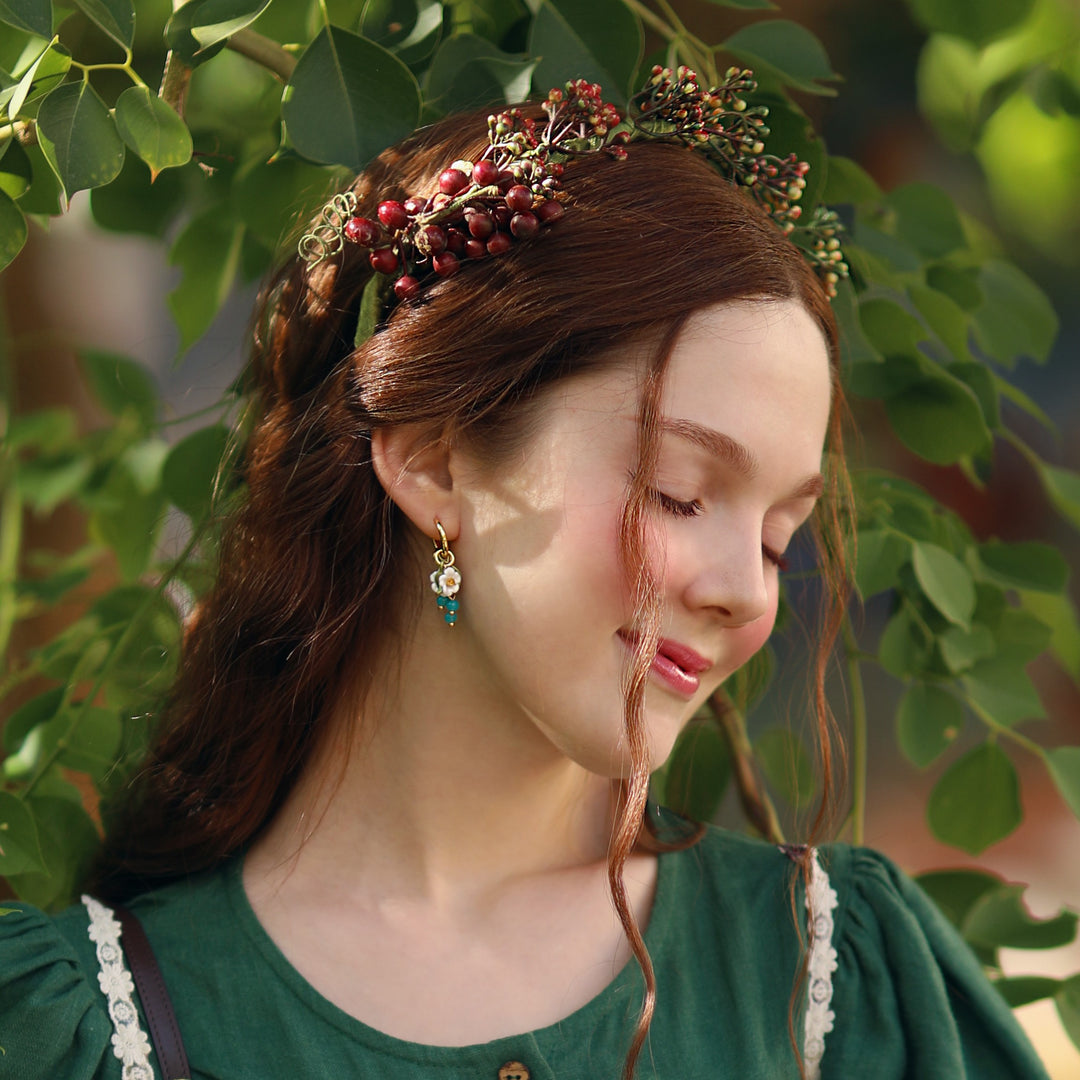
pixel 732 578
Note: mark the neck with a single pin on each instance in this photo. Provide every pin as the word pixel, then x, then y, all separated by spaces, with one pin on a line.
pixel 432 789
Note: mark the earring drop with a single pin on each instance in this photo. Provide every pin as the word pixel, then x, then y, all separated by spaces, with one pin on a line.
pixel 446 579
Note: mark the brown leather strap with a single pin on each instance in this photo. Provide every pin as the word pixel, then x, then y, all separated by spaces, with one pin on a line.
pixel 164 1031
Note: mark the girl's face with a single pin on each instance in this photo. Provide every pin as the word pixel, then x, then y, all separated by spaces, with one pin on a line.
pixel 546 618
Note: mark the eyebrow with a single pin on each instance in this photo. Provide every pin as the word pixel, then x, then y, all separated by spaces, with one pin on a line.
pixel 739 457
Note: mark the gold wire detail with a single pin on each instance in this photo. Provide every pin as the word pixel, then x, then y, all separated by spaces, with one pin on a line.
pixel 328 237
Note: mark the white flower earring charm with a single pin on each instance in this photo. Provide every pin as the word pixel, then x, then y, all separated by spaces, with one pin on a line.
pixel 446 579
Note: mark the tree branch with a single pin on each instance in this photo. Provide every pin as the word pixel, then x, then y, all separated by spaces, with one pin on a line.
pixel 264 51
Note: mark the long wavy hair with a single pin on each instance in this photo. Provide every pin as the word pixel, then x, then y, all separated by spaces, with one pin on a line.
pixel 310 562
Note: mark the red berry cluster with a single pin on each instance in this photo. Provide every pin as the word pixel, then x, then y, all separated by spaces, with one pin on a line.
pixel 479 210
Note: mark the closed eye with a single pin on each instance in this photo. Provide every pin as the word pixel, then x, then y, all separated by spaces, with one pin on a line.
pixel 676 507
pixel 776 558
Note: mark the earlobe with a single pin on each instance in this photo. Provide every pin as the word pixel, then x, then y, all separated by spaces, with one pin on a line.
pixel 415 472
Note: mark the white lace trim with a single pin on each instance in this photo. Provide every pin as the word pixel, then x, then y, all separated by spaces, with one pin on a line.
pixel 129 1041
pixel 820 903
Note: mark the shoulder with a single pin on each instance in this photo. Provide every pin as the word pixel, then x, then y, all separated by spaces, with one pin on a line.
pixel 906 985
pixel 53 1015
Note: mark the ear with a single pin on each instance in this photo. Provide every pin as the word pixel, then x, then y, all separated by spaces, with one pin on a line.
pixel 415 472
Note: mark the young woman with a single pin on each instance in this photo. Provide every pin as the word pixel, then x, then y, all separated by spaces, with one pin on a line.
pixel 388 833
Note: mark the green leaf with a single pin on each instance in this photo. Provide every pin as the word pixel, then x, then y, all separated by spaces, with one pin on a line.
pixel 47 482
pixel 1016 319
pixel 128 519
pixel 1063 763
pixel 956 891
pixel 928 721
pixel 946 581
pixel 786 765
pixel 92 738
pixel 45 196
pixel 945 317
pixel 121 385
pixel 1058 613
pixel 1003 690
pixel 849 182
pixel 903 650
pixel 20 849
pixel 979 379
pixel 46 72
pixel 79 137
pixel 1028 565
pixel 208 252
pixel 1067 1000
pixel 13 229
pixel 939 418
pixel 927 219
pixel 785 49
pixel 889 328
pixel 218 20
pixel 1063 488
pixel 976 20
pixel 115 17
pixel 371 306
pixel 152 129
pixel 1019 398
pixel 1021 990
pixel 698 772
pixel 960 284
pixel 961 649
pixel 881 553
pixel 976 802
pixel 468 72
pixel 268 196
pixel 1000 920
pixel 37 710
pixel 348 99
pixel 69 842
pixel 32 15
pixel 16 172
pixel 598 40
pixel 180 40
pixel 134 204
pixel 51 430
pixel 191 470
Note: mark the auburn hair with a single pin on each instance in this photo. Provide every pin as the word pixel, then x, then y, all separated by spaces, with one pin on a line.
pixel 310 561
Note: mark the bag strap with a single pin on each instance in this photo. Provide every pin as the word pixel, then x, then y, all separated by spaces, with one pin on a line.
pixel 160 1018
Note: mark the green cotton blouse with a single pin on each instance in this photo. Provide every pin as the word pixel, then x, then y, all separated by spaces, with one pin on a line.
pixel 909 999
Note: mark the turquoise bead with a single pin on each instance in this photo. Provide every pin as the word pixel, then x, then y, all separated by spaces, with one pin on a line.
pixel 451 605
pixel 451 617
pixel 442 601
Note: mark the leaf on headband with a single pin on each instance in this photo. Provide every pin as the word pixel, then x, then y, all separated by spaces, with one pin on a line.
pixel 370 309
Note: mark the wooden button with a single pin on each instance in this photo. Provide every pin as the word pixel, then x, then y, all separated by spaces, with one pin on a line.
pixel 514 1070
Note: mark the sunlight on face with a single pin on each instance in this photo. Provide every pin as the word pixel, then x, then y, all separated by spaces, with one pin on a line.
pixel 745 406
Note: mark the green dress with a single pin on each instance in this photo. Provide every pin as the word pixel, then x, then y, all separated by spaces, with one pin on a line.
pixel 908 998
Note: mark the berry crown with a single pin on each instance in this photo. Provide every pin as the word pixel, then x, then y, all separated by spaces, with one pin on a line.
pixel 513 190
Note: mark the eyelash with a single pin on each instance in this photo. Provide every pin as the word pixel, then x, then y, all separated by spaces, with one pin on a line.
pixel 678 508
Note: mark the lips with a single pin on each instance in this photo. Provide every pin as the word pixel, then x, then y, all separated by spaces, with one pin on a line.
pixel 676 665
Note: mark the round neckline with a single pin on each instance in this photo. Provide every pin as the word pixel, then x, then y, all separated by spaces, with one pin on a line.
pixel 577 1024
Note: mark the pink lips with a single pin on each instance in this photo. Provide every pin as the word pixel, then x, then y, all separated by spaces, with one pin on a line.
pixel 677 665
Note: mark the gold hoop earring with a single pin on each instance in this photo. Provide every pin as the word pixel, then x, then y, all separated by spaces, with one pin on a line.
pixel 446 578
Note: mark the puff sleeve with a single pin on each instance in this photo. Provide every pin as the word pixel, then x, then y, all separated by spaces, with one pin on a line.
pixel 53 1019
pixel 910 999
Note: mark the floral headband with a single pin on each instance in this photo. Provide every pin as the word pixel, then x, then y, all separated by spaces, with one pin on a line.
pixel 512 191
